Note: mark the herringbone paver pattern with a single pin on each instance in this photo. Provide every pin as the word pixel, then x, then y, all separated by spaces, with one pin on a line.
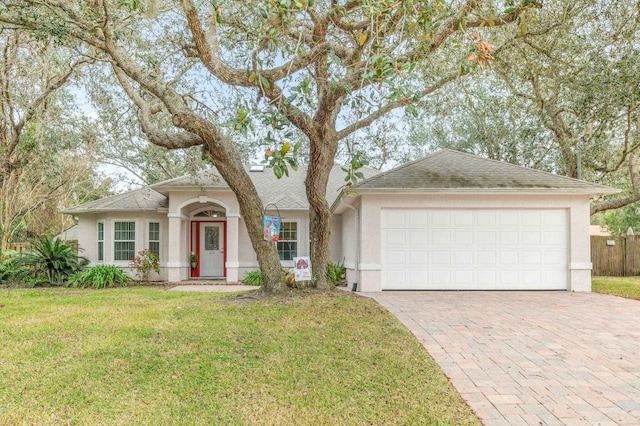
pixel 532 358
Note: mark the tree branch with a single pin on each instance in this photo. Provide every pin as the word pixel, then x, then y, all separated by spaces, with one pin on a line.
pixel 379 113
pixel 155 135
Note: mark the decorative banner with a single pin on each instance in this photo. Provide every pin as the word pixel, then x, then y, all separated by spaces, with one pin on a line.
pixel 302 268
pixel 271 228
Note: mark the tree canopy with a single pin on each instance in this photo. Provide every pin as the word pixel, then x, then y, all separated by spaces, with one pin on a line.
pixel 319 70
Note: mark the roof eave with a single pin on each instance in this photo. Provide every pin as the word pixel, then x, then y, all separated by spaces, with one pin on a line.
pixel 103 210
pixel 496 191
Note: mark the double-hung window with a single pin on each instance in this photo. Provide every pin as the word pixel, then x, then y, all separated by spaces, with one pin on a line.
pixel 288 240
pixel 154 238
pixel 100 241
pixel 124 240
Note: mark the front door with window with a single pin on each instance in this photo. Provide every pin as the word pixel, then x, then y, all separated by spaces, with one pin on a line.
pixel 211 249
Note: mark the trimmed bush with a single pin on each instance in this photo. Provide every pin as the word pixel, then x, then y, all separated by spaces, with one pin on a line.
pixel 99 276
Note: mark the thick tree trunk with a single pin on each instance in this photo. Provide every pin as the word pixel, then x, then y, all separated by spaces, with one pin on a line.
pixel 320 165
pixel 226 159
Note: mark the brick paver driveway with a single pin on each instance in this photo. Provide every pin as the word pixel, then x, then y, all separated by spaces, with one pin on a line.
pixel 532 358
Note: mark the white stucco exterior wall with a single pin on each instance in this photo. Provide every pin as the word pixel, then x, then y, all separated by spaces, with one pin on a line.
pixel 88 238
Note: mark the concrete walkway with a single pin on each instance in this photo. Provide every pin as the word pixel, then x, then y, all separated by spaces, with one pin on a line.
pixel 205 288
pixel 532 358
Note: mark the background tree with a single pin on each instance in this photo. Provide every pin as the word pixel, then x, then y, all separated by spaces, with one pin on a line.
pixel 39 158
pixel 324 69
pixel 564 88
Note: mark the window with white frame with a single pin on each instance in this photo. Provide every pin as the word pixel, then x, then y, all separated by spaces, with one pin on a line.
pixel 288 241
pixel 100 241
pixel 124 240
pixel 154 238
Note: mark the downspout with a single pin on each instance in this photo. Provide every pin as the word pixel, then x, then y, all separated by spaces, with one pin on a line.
pixel 357 234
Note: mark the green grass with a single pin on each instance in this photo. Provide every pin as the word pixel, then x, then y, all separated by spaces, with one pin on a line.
pixel 148 356
pixel 628 287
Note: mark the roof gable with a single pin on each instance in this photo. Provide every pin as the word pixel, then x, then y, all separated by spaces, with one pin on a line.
pixel 449 170
pixel 287 192
pixel 142 199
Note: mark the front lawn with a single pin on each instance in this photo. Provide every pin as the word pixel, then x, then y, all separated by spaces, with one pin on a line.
pixel 148 356
pixel 628 287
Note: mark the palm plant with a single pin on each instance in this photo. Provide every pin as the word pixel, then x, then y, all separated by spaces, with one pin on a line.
pixel 53 259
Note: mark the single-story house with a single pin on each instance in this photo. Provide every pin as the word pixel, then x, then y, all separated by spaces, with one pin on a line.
pixel 447 221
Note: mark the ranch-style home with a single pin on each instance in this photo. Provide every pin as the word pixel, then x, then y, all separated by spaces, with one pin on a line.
pixel 448 221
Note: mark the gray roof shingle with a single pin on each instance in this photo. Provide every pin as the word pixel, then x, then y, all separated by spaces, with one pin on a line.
pixel 449 170
pixel 287 193
pixel 143 199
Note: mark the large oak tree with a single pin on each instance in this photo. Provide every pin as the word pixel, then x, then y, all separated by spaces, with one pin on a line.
pixel 324 69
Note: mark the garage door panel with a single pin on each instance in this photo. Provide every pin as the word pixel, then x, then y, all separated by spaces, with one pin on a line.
pixel 509 258
pixel 417 219
pixel 508 238
pixel 441 279
pixel 487 249
pixel 395 257
pixel 441 258
pixel 506 218
pixel 394 238
pixel 486 218
pixel 487 258
pixel 531 238
pixel 461 238
pixel 463 258
pixel 463 277
pixel 441 238
pixel 532 258
pixel 507 278
pixel 462 218
pixel 486 278
pixel 417 238
pixel 553 238
pixel 418 258
pixel 531 219
pixel 554 218
pixel 486 239
pixel 555 258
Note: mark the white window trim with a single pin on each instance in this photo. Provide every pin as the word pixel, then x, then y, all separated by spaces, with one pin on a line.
pixel 289 263
pixel 136 247
pixel 103 241
pixel 159 240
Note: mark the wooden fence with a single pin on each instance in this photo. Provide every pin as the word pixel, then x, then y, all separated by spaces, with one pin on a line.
pixel 616 257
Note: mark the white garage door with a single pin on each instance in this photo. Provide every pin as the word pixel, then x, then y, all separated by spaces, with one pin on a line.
pixel 474 249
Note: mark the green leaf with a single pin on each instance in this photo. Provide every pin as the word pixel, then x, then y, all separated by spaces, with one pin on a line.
pixel 277 170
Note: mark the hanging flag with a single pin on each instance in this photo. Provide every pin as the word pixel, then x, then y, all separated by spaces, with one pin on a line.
pixel 271 228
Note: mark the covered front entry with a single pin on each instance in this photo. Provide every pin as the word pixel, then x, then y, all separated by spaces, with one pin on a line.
pixel 474 249
pixel 208 242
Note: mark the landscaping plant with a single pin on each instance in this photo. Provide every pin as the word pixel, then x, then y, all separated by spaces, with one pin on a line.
pixel 54 260
pixel 336 272
pixel 145 262
pixel 253 278
pixel 99 276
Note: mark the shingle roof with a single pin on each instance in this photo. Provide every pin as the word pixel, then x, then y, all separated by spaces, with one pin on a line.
pixel 287 193
pixel 449 170
pixel 143 199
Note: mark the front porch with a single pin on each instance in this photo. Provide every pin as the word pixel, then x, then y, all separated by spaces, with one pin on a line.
pixel 209 228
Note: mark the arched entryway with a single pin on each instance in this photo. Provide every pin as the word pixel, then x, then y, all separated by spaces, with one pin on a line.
pixel 208 242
